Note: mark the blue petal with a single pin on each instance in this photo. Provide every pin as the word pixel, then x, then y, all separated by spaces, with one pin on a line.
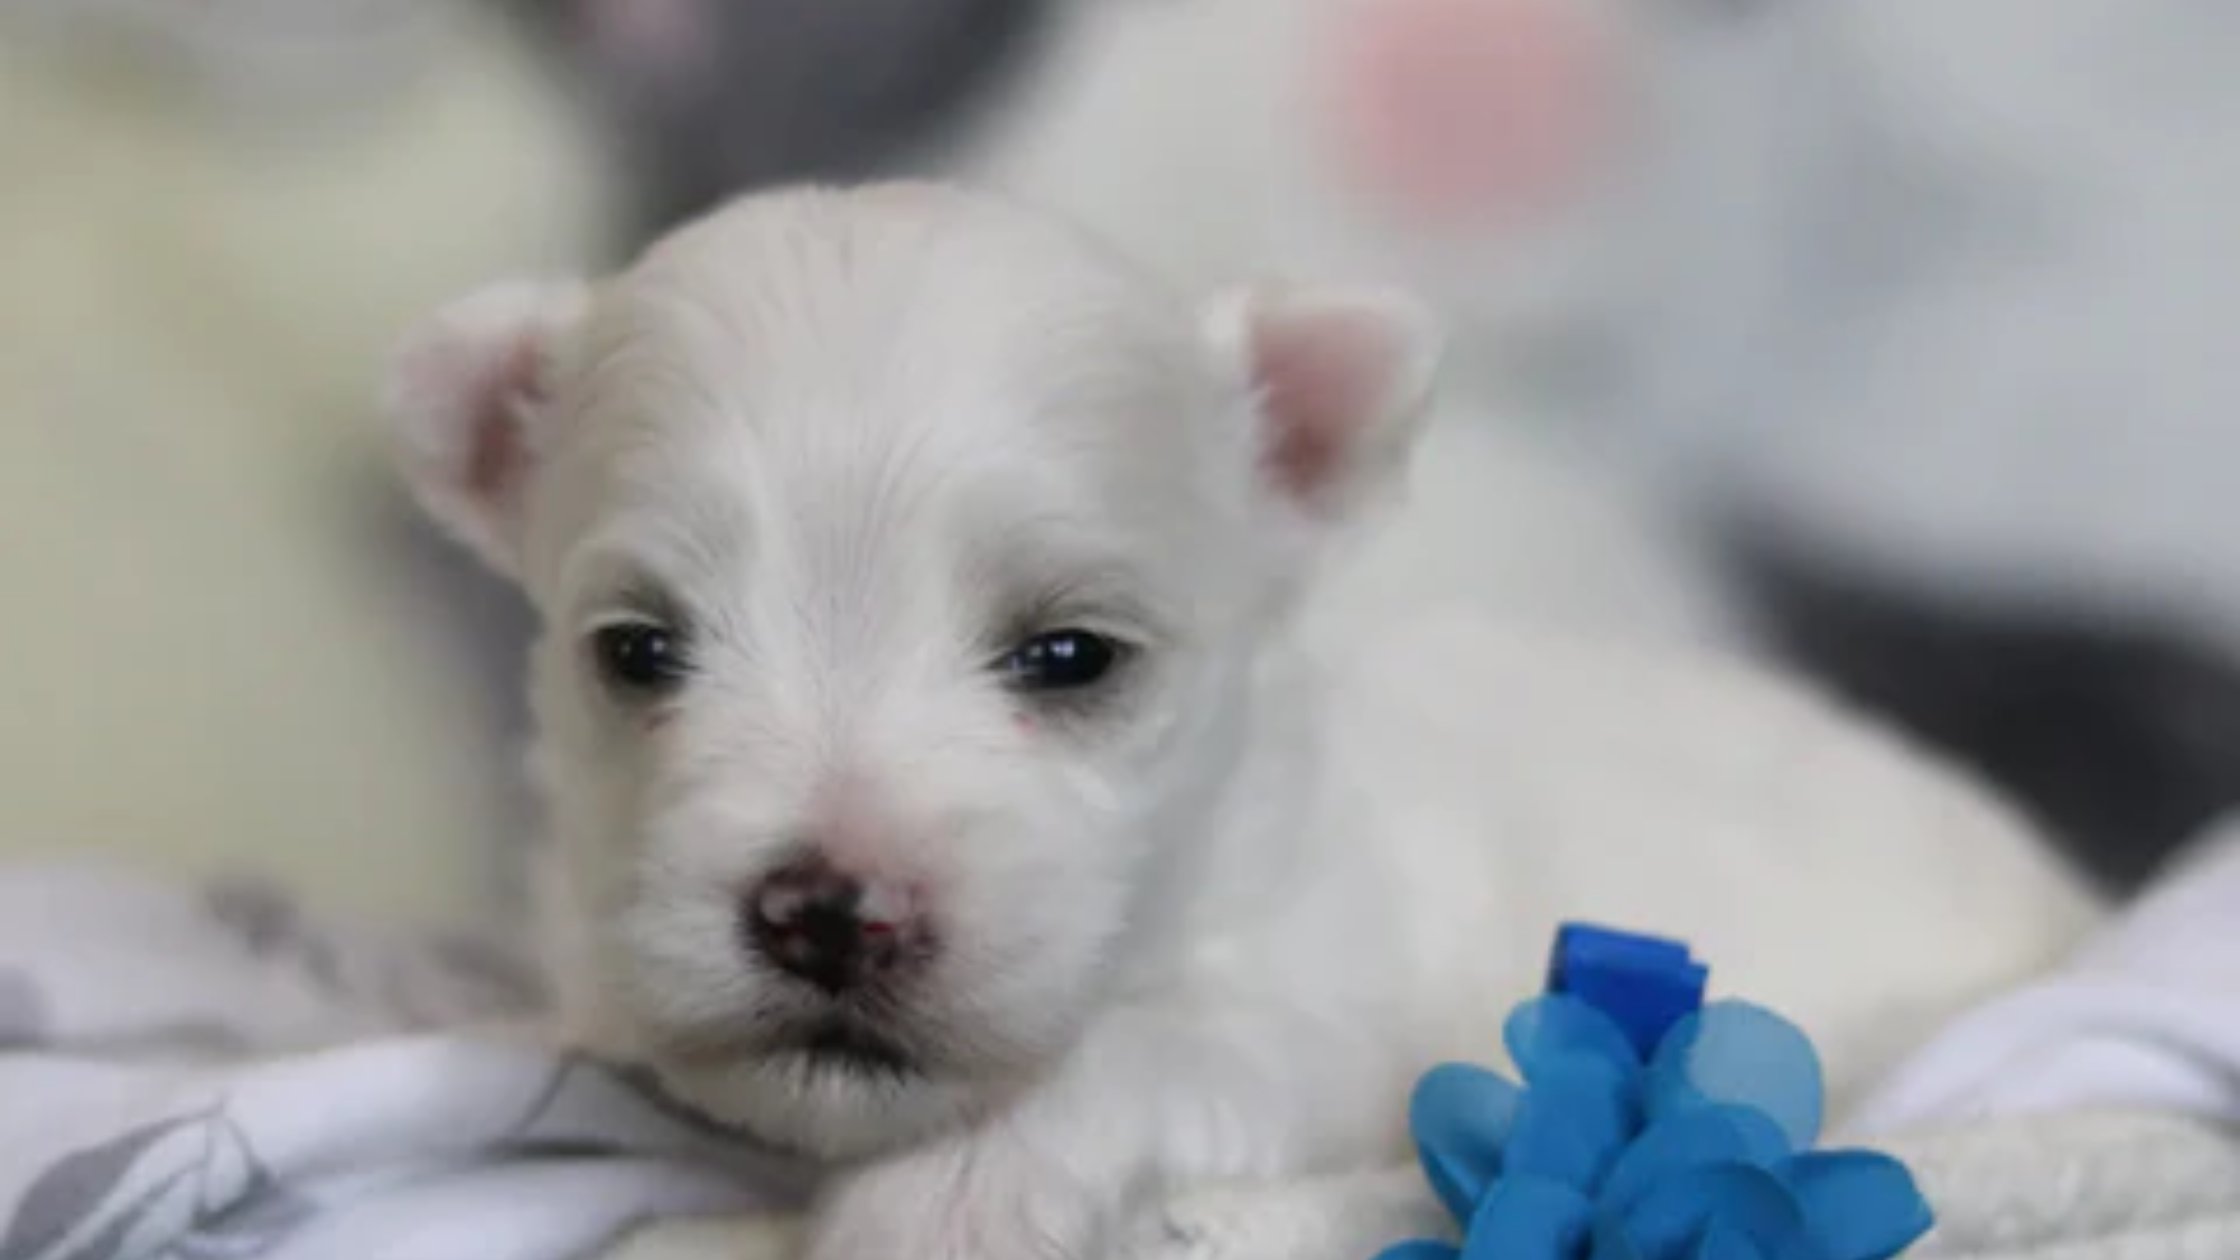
pixel 1556 1027
pixel 1585 1082
pixel 1733 1052
pixel 1674 1218
pixel 1461 1117
pixel 1527 1219
pixel 1556 1139
pixel 1709 1134
pixel 1859 1205
pixel 1724 1242
pixel 1611 1242
pixel 1420 1249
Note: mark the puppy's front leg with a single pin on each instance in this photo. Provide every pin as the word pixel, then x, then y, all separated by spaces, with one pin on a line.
pixel 1347 1216
pixel 1154 1100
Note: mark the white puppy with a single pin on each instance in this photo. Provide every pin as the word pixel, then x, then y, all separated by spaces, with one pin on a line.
pixel 935 791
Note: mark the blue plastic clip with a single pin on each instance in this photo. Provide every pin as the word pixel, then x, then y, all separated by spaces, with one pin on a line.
pixel 1645 984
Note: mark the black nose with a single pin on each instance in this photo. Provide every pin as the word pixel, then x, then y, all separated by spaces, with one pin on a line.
pixel 807 920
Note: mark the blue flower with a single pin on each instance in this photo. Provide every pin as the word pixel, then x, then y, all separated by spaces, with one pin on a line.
pixel 1704 1152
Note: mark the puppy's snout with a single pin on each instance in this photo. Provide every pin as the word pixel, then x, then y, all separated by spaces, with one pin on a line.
pixel 824 926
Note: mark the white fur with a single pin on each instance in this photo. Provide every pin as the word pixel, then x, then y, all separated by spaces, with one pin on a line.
pixel 1208 930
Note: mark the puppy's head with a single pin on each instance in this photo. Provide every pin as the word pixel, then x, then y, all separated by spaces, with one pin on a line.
pixel 902 560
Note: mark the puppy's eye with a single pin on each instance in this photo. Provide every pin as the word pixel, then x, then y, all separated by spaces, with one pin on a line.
pixel 639 657
pixel 1059 660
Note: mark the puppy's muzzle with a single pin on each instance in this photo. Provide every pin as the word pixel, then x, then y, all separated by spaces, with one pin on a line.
pixel 829 929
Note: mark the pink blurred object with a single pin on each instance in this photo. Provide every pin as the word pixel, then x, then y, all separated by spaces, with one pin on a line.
pixel 1464 114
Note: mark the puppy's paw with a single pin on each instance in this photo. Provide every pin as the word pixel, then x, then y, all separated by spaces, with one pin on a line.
pixel 1209 1227
pixel 1174 1232
pixel 959 1200
pixel 1345 1217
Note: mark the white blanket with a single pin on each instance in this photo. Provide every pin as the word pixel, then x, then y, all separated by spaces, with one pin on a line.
pixel 229 1080
pixel 2093 1114
pixel 2146 1017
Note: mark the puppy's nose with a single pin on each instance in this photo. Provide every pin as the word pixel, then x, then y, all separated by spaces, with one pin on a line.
pixel 820 925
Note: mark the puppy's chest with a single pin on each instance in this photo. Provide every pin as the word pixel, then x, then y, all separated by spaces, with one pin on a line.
pixel 1384 915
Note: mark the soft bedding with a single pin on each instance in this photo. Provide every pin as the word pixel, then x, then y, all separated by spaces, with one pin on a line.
pixel 197 1071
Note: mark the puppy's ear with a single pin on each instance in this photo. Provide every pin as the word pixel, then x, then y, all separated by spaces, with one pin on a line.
pixel 465 395
pixel 1341 380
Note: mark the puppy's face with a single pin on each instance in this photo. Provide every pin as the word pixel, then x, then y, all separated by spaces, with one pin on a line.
pixel 902 560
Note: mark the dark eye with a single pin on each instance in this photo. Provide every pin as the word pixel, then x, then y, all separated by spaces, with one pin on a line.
pixel 639 656
pixel 1060 660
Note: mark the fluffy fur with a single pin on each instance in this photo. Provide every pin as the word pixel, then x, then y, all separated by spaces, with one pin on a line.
pixel 1198 923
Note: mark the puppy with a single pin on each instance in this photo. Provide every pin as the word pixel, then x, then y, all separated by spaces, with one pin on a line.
pixel 937 788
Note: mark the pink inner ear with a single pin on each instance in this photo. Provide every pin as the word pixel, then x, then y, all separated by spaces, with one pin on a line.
pixel 496 456
pixel 1465 113
pixel 1322 379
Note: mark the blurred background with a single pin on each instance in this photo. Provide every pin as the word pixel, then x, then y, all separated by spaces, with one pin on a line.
pixel 1894 340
